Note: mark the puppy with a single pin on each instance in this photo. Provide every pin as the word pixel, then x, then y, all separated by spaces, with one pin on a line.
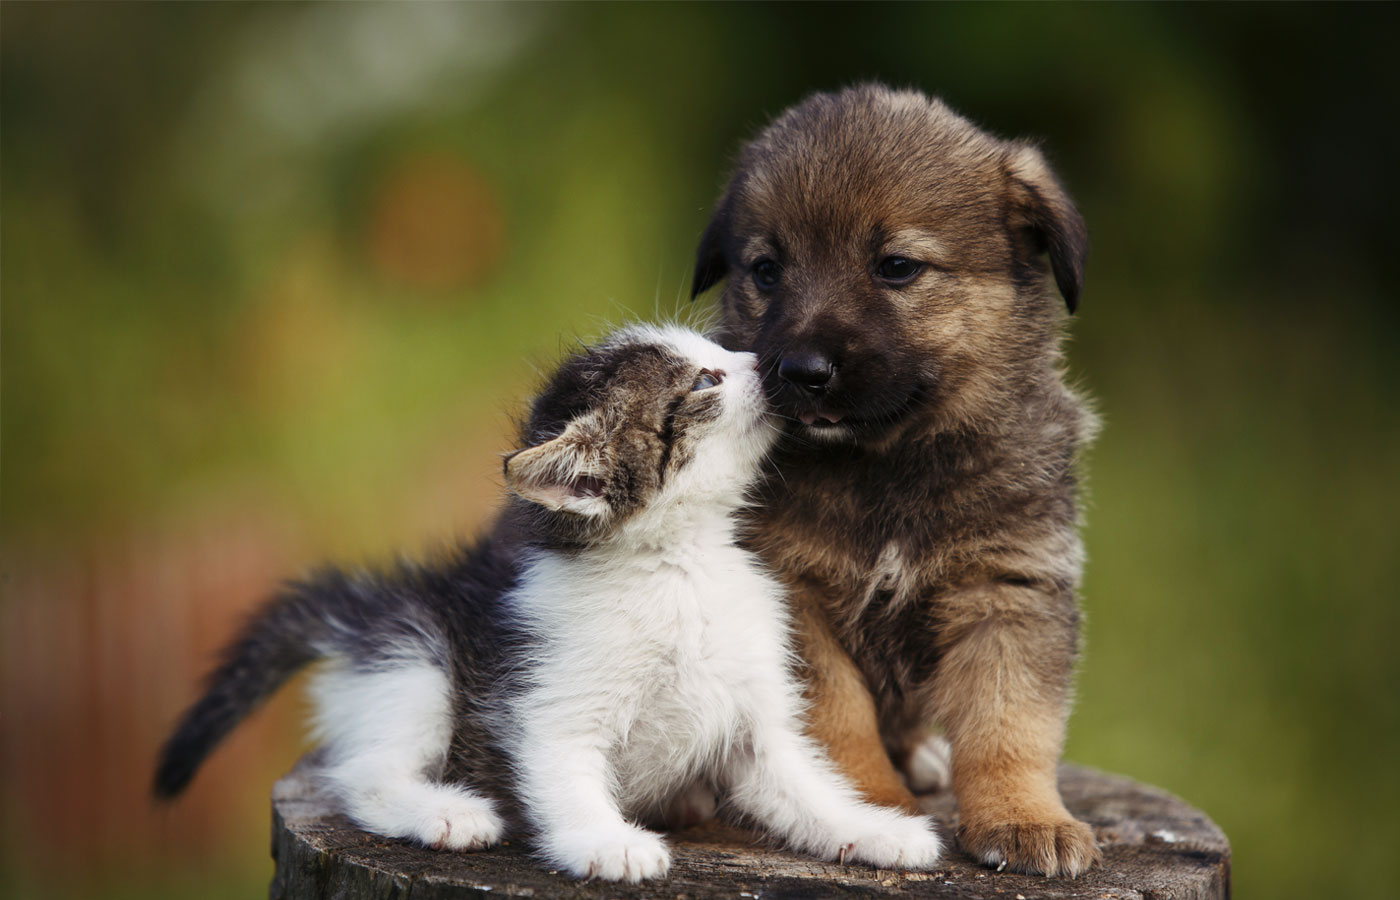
pixel 886 260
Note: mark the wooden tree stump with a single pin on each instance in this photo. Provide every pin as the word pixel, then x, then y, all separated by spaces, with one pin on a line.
pixel 1154 846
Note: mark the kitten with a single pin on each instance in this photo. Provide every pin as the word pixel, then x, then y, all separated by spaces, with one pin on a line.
pixel 604 654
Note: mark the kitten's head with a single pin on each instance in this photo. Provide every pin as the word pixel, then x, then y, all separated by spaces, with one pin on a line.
pixel 653 418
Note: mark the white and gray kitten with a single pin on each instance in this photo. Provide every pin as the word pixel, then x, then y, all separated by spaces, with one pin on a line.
pixel 605 654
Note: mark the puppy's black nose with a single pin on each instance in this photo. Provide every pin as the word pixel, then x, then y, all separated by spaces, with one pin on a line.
pixel 809 371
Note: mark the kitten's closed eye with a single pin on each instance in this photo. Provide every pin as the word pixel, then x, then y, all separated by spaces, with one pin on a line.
pixel 707 379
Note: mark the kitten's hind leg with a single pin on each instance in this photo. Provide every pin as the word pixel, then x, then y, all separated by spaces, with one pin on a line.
pixel 387 731
pixel 440 816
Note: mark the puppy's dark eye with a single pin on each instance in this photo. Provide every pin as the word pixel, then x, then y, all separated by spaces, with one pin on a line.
pixel 706 380
pixel 897 269
pixel 766 274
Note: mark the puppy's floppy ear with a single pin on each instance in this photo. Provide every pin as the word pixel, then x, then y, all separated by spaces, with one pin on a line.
pixel 1039 203
pixel 710 262
pixel 564 474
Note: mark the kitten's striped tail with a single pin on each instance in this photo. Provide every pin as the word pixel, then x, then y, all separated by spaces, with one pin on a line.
pixel 298 626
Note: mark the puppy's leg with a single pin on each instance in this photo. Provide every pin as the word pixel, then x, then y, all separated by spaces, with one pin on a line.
pixel 1001 691
pixel 841 715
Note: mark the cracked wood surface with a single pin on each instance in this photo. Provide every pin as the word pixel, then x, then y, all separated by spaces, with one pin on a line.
pixel 1154 845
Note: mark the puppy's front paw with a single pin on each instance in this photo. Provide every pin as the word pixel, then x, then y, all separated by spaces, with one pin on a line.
pixel 898 842
pixel 621 854
pixel 1058 847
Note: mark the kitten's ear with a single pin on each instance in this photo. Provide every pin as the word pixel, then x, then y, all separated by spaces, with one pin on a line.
pixel 1040 203
pixel 564 473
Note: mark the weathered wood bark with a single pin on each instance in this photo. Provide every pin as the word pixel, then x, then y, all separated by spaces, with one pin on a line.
pixel 1155 846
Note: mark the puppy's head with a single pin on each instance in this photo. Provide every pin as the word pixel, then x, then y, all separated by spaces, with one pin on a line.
pixel 886 259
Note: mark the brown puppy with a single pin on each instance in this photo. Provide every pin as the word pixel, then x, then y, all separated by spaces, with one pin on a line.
pixel 886 260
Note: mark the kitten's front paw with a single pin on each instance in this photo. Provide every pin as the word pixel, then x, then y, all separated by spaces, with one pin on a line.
pixel 460 823
pixel 624 854
pixel 898 842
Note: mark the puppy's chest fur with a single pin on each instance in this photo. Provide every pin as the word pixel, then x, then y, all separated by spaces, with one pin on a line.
pixel 878 539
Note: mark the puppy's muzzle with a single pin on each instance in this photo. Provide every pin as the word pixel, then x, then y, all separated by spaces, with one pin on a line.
pixel 809 372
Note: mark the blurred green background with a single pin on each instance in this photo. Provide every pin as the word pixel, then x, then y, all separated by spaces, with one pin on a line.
pixel 273 277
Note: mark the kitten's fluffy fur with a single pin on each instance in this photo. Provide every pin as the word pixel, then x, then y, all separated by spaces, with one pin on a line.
pixel 605 655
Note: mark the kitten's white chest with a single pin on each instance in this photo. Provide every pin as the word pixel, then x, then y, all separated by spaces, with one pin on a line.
pixel 704 650
pixel 667 660
pixel 695 695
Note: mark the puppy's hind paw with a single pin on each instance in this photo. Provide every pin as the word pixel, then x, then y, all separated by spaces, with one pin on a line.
pixel 929 766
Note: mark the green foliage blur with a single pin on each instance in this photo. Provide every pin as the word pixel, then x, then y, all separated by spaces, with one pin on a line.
pixel 291 255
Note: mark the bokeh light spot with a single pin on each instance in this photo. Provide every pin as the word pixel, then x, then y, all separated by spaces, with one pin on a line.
pixel 435 225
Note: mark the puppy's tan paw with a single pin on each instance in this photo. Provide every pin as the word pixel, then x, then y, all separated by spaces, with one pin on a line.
pixel 1062 847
